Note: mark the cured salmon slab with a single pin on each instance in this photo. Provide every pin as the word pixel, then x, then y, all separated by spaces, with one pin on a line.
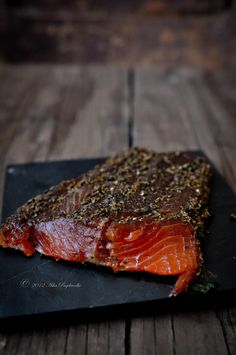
pixel 139 211
pixel 39 284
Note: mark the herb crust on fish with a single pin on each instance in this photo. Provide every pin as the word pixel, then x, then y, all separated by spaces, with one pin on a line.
pixel 138 211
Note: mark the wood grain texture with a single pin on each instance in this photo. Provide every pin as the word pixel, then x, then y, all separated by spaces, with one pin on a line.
pixel 151 335
pixel 174 111
pixel 58 112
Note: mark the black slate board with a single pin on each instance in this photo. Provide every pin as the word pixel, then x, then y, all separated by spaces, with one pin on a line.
pixel 38 285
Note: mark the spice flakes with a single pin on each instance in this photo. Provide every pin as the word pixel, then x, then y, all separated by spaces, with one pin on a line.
pixel 137 184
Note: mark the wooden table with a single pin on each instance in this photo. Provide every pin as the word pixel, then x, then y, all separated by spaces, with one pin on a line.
pixel 63 112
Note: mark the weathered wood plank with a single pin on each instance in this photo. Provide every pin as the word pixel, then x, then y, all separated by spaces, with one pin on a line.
pixel 213 123
pixel 178 111
pixel 106 332
pixel 227 317
pixel 161 121
pixel 62 112
pixel 56 113
pixel 198 333
pixel 151 335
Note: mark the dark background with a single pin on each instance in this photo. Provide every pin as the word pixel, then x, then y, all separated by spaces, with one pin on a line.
pixel 164 33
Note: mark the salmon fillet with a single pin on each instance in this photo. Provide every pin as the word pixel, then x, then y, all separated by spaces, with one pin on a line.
pixel 138 211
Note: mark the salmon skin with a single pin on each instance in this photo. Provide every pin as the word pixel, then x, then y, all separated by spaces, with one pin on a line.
pixel 138 211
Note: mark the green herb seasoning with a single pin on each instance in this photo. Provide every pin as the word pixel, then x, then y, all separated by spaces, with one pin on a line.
pixel 137 184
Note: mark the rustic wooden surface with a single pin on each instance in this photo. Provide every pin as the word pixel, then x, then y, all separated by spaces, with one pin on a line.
pixel 59 112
